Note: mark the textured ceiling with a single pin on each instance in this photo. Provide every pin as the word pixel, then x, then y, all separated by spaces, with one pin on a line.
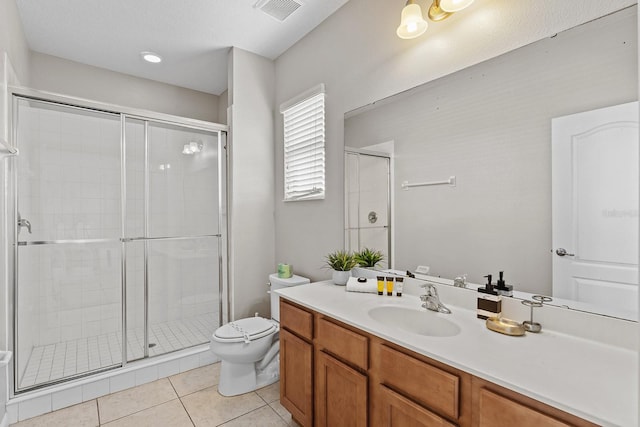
pixel 192 36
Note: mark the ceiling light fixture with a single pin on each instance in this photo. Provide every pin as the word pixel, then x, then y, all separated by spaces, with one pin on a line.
pixel 154 58
pixel 413 25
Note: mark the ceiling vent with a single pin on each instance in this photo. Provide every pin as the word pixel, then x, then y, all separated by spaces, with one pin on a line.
pixel 278 9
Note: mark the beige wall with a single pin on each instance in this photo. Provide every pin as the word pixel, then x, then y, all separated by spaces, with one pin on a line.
pixel 12 39
pixel 53 74
pixel 251 254
pixel 356 53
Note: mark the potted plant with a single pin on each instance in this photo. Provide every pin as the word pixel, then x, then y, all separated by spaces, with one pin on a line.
pixel 367 260
pixel 368 257
pixel 341 262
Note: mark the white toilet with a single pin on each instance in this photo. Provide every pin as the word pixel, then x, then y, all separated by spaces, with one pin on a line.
pixel 249 348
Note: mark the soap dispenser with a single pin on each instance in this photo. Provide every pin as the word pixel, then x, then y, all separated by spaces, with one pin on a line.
pixel 489 301
pixel 502 287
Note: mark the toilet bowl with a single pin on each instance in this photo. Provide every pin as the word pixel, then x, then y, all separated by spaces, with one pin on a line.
pixel 249 348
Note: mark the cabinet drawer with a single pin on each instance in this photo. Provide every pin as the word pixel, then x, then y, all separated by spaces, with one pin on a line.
pixel 497 411
pixel 343 343
pixel 434 388
pixel 398 411
pixel 296 320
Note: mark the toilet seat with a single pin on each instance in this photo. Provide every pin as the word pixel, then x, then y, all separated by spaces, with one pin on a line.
pixel 247 330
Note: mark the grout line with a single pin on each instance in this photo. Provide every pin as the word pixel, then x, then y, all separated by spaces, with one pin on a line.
pixel 141 410
pixel 172 386
pixel 98 411
pixel 246 413
pixel 186 410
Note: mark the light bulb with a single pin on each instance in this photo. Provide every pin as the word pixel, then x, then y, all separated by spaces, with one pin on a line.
pixel 412 24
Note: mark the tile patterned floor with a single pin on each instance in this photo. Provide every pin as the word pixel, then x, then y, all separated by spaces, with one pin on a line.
pixel 187 399
pixel 56 361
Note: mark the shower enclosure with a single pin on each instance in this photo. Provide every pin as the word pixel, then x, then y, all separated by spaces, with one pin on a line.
pixel 117 225
pixel 367 203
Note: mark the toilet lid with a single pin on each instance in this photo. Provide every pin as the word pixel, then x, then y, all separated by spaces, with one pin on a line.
pixel 247 329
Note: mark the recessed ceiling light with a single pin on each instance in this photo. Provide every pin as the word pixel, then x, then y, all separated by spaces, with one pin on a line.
pixel 154 58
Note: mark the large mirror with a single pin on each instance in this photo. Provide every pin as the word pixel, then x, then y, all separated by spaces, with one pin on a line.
pixel 496 127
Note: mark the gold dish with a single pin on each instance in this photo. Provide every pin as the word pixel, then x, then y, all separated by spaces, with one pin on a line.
pixel 505 326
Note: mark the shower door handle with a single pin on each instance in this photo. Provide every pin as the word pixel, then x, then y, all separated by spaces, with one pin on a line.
pixel 24 223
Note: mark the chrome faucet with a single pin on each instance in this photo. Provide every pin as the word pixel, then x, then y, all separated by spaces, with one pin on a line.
pixel 460 281
pixel 431 300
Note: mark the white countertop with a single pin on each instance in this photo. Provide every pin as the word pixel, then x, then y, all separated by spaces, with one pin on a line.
pixel 595 381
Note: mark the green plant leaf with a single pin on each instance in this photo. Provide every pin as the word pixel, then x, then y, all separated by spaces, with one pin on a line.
pixel 368 257
pixel 341 260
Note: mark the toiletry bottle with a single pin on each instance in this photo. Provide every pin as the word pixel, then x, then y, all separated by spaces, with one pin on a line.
pixel 380 285
pixel 489 302
pixel 502 287
pixel 399 286
pixel 390 286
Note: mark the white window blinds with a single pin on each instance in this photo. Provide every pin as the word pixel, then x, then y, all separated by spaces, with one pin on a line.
pixel 304 146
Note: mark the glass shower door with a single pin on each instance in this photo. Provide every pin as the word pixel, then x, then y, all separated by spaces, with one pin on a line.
pixel 184 232
pixel 68 306
pixel 173 237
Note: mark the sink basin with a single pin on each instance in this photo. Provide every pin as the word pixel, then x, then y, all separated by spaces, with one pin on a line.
pixel 416 321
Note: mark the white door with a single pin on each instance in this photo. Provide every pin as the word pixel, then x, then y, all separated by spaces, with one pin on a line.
pixel 595 207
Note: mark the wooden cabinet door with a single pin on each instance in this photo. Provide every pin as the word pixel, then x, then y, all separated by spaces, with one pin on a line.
pixel 296 377
pixel 398 411
pixel 341 394
pixel 498 411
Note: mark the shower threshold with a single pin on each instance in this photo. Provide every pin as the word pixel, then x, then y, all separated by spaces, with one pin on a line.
pixel 55 362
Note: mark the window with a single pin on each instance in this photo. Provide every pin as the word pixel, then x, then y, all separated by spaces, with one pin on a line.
pixel 304 146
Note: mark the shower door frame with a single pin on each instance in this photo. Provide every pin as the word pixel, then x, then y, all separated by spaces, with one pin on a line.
pixel 11 203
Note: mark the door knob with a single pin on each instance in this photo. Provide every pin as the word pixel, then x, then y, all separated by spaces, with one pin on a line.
pixel 563 252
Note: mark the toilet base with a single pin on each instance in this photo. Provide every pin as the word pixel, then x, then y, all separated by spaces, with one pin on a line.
pixel 240 378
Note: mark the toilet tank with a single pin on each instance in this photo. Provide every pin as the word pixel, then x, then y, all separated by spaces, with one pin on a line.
pixel 276 282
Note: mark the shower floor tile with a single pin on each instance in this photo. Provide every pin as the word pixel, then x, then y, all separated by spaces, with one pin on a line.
pixel 56 361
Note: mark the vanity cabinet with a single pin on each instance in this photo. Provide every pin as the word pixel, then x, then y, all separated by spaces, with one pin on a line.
pixel 438 390
pixel 399 411
pixel 496 406
pixel 296 362
pixel 332 374
pixel 341 393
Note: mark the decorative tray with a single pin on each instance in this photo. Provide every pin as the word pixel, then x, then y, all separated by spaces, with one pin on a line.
pixel 505 326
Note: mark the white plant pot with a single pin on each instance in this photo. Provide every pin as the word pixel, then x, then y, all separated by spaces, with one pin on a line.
pixel 341 277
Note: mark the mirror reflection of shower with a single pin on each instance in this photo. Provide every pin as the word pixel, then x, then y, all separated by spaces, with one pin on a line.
pixel 367 203
pixel 192 147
